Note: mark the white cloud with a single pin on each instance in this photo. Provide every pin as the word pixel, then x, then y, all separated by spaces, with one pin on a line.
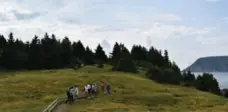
pixel 162 36
pixel 184 43
pixel 166 17
pixel 106 44
pixel 136 18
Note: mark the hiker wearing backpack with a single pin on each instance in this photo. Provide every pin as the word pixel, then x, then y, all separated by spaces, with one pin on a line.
pixel 108 89
pixel 69 95
pixel 72 94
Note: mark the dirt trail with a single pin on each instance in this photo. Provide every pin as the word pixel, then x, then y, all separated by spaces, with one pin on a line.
pixel 61 108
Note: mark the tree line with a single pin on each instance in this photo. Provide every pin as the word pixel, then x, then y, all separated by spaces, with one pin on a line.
pixel 49 52
pixel 46 53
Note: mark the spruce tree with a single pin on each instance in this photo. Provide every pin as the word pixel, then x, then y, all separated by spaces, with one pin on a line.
pixel 166 59
pixel 66 52
pixel 125 63
pixel 3 44
pixel 100 55
pixel 56 52
pixel 9 54
pixel 78 52
pixel 47 51
pixel 35 59
pixel 139 53
pixel 155 57
pixel 116 52
pixel 89 56
pixel 208 83
pixel 21 55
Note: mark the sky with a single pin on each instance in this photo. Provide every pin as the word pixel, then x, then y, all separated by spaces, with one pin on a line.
pixel 188 29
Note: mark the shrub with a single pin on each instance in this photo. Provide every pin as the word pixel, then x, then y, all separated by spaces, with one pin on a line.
pixel 167 75
pixel 208 83
pixel 188 79
pixel 155 74
pixel 125 65
pixel 171 77
pixel 100 65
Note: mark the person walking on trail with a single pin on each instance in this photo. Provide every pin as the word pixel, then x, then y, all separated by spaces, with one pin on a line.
pixel 76 91
pixel 93 89
pixel 102 86
pixel 86 92
pixel 108 89
pixel 72 94
pixel 68 95
pixel 89 88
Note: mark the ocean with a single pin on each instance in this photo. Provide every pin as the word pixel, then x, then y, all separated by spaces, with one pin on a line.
pixel 222 78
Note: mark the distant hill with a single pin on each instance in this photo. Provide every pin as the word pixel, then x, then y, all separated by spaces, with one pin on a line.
pixel 210 64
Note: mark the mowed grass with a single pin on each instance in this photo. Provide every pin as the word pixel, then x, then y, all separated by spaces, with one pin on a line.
pixel 32 91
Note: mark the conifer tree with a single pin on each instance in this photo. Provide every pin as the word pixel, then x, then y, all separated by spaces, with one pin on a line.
pixel 100 54
pixel 89 56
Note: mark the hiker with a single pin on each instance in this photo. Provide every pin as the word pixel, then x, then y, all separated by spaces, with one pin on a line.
pixel 93 89
pixel 89 88
pixel 102 86
pixel 108 89
pixel 68 95
pixel 86 91
pixel 76 91
pixel 71 94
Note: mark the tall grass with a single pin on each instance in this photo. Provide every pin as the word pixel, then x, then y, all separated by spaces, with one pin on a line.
pixel 32 91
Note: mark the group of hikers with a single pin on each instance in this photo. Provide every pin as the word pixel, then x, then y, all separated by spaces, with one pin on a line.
pixel 88 90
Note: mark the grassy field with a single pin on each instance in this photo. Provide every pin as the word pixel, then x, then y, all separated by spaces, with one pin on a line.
pixel 32 91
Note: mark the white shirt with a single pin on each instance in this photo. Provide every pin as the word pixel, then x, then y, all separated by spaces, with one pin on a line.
pixel 93 87
pixel 72 91
pixel 88 86
pixel 76 90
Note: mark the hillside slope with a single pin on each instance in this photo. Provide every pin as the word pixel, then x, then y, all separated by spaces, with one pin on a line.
pixel 32 91
pixel 210 64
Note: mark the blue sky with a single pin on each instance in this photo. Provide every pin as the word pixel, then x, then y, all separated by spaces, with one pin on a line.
pixel 189 29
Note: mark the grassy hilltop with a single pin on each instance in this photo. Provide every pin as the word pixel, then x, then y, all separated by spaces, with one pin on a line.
pixel 32 91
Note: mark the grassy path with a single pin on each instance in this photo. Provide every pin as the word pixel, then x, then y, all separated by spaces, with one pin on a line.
pixel 64 107
pixel 61 108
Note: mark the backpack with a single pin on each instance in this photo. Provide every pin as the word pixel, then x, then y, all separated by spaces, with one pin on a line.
pixel 108 87
pixel 68 93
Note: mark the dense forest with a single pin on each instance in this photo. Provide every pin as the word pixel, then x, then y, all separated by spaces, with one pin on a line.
pixel 51 53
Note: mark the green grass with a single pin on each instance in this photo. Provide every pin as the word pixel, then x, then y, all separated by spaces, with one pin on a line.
pixel 32 91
